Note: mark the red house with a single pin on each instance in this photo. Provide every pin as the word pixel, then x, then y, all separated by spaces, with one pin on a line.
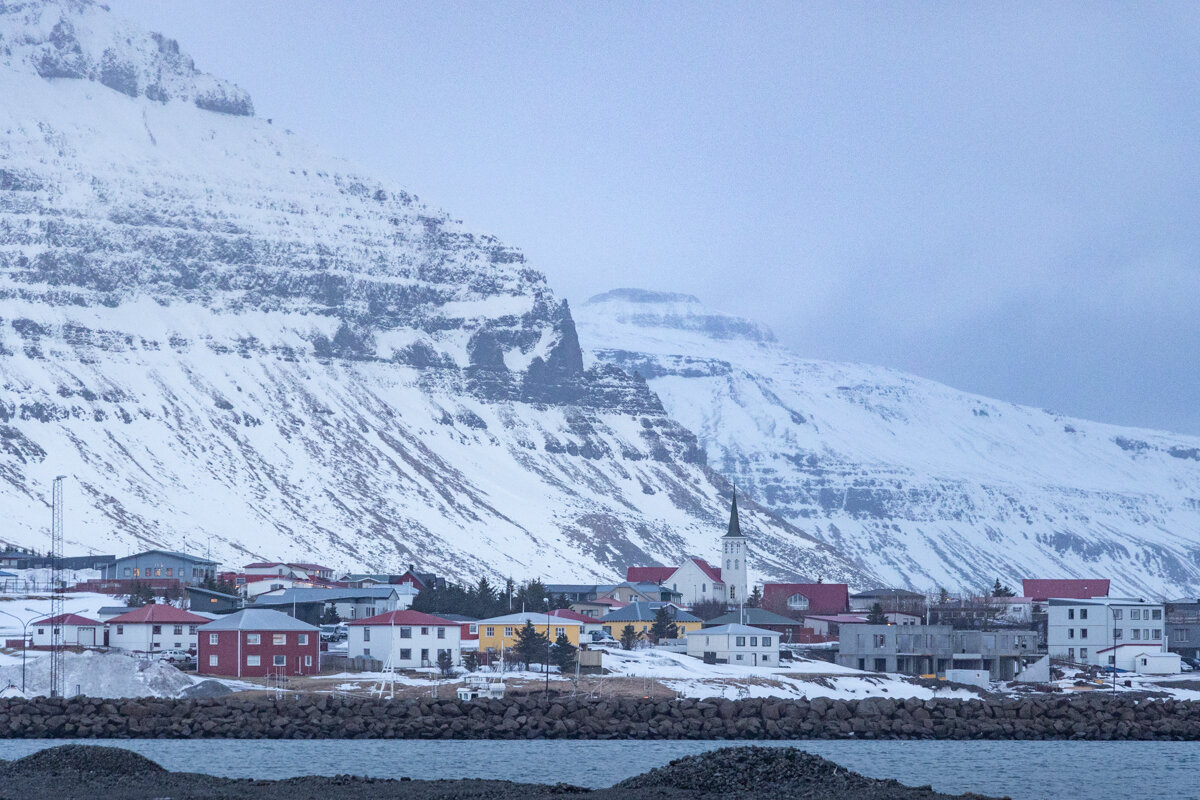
pixel 806 598
pixel 257 643
pixel 1042 589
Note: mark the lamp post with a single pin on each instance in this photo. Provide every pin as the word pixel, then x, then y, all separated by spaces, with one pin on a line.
pixel 547 665
pixel 24 638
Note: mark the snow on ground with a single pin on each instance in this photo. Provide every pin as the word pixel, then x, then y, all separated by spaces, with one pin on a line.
pixel 97 674
pixel 691 677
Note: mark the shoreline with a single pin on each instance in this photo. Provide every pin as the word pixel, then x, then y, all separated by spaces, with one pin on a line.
pixel 1088 717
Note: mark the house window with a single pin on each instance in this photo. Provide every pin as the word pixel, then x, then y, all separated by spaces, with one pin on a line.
pixel 1083 654
pixel 158 572
pixel 703 587
pixel 1181 635
pixel 156 629
pixel 302 639
pixel 754 641
pixel 212 659
pixel 279 661
pixel 489 631
pixel 366 633
pixel 508 631
pixel 1070 613
pixel 1117 633
pixel 127 572
pixel 738 657
pixel 1145 633
pixel 441 633
pixel 178 630
pixel 740 641
pixel 279 638
pixel 42 631
pixel 1083 613
pixel 192 628
pixel 366 651
pixel 879 640
pixel 213 638
pixel 797 602
pixel 406 633
pixel 1070 633
pixel 308 661
pixel 560 632
pixel 1135 613
pixel 1137 634
pixel 473 629
pixel 766 641
pixel 1083 633
pixel 1156 614
pixel 136 572
pixel 253 661
pixel 1157 633
pixel 766 658
pixel 169 575
pixel 406 654
pixel 1118 613
pixel 253 638
pixel 1071 653
pixel 120 630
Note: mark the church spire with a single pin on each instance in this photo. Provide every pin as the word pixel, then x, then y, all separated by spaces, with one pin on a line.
pixel 735 528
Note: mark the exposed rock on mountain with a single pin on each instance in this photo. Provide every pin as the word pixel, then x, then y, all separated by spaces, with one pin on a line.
pixel 927 485
pixel 233 341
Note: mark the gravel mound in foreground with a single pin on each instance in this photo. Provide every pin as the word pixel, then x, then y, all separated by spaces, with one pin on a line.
pixel 80 758
pixel 769 771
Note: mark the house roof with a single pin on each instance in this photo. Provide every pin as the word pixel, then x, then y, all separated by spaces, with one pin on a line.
pixel 645 612
pixel 883 592
pixel 289 596
pixel 649 574
pixel 458 617
pixel 405 617
pixel 1082 589
pixel 571 588
pixel 112 611
pixel 158 612
pixel 258 619
pixel 567 613
pixel 212 593
pixel 732 628
pixel 752 616
pixel 172 553
pixel 708 569
pixel 538 619
pixel 67 619
pixel 830 598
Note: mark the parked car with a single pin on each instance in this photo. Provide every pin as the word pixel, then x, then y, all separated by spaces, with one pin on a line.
pixel 176 657
pixel 334 633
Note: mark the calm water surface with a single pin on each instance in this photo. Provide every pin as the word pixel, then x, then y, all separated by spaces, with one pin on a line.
pixel 1021 770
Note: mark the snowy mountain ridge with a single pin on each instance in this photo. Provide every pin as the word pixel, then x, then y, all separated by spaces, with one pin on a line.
pixel 925 485
pixel 235 344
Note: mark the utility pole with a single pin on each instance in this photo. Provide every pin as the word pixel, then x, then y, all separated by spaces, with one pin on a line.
pixel 56 598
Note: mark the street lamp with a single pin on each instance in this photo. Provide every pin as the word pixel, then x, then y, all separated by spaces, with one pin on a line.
pixel 547 665
pixel 24 638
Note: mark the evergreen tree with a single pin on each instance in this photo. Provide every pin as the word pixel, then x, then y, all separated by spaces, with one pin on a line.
pixel 877 617
pixel 1002 591
pixel 139 595
pixel 662 621
pixel 331 616
pixel 629 637
pixel 564 654
pixel 470 660
pixel 672 631
pixel 445 664
pixel 943 596
pixel 531 645
pixel 755 598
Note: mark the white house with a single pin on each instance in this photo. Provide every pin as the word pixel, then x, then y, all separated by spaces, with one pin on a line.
pixel 77 631
pixel 410 639
pixel 155 627
pixel 1106 631
pixel 735 644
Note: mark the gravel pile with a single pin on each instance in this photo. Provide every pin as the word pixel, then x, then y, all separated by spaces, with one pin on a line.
pixel 78 758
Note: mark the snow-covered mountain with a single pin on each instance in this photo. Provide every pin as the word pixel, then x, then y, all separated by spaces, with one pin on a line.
pixel 926 485
pixel 236 344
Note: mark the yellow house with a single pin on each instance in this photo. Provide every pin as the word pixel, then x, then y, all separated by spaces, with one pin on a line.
pixel 641 617
pixel 498 633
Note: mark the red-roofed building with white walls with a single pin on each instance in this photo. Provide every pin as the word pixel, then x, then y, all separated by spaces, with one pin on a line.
pixel 77 631
pixel 412 639
pixel 155 627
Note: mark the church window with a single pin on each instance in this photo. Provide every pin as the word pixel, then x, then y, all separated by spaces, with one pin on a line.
pixel 797 602
pixel 727 563
pixel 735 564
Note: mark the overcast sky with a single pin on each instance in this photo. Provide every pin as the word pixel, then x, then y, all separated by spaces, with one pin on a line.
pixel 1002 197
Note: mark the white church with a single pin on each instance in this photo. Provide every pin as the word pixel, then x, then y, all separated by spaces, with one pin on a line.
pixel 697 580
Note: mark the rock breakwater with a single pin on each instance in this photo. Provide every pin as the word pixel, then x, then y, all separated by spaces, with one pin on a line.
pixel 306 716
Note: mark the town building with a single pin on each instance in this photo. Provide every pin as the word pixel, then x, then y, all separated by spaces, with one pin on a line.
pixel 642 615
pixel 1040 590
pixel 830 625
pixel 294 570
pixel 213 602
pixel 1105 631
pixel 259 643
pixel 789 630
pixel 160 567
pixel 802 599
pixel 310 605
pixel 582 592
pixel 155 627
pixel 1183 627
pixel 736 644
pixel 629 592
pixel 933 649
pixel 468 628
pixel 410 639
pixel 889 598
pixel 597 608
pixel 500 633
pixel 76 631
pixel 590 625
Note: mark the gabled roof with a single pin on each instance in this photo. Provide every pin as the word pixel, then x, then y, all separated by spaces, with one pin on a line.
pixel 258 619
pixel 752 616
pixel 567 613
pixel 645 612
pixel 405 617
pixel 67 619
pixel 172 553
pixel 823 598
pixel 153 613
pixel 732 628
pixel 649 574
pixel 884 592
pixel 1082 589
pixel 538 620
pixel 713 573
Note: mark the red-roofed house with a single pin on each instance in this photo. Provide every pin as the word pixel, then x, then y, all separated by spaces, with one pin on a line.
pixel 649 574
pixel 412 639
pixel 590 624
pixel 77 631
pixel 806 598
pixel 1039 590
pixel 155 627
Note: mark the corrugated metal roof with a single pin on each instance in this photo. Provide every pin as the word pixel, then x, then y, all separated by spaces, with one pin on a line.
pixel 735 629
pixel 258 619
pixel 157 612
pixel 289 596
pixel 645 612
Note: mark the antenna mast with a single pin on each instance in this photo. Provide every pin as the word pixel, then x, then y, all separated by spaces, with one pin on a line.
pixel 56 598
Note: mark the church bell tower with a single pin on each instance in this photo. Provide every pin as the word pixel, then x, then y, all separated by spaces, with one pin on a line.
pixel 735 550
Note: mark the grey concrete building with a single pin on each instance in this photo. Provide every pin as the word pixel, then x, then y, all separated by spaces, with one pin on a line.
pixel 1183 627
pixel 932 649
pixel 161 565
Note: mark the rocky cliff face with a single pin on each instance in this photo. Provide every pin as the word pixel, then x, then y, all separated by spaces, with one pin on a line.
pixel 924 484
pixel 232 341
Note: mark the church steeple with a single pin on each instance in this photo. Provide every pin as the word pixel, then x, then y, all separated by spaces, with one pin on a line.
pixel 735 528
pixel 735 549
